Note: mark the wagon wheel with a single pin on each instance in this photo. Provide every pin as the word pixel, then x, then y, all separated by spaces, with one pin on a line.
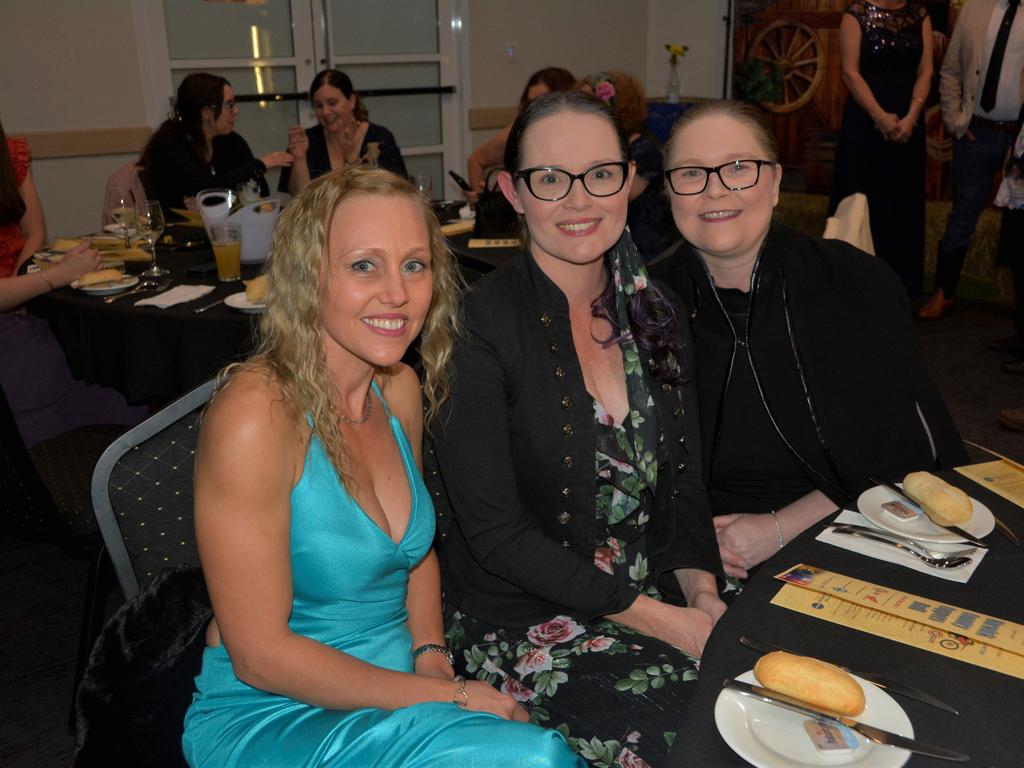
pixel 938 144
pixel 797 50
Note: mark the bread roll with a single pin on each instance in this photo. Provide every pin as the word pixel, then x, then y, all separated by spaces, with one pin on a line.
pixel 64 244
pixel 820 684
pixel 100 276
pixel 942 502
pixel 256 290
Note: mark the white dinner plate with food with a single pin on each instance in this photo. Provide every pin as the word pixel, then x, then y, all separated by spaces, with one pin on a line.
pixel 885 509
pixel 241 302
pixel 109 287
pixel 767 736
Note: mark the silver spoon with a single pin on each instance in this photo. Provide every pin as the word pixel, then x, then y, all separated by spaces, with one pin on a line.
pixel 935 562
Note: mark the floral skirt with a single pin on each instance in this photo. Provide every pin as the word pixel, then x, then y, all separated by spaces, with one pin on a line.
pixel 616 695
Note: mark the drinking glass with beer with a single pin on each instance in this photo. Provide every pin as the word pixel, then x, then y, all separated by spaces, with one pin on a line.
pixel 226 237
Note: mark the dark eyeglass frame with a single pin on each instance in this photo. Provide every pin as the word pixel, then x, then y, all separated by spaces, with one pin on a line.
pixel 717 171
pixel 229 104
pixel 525 176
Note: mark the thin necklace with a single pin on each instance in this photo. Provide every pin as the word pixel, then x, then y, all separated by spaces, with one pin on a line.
pixel 369 410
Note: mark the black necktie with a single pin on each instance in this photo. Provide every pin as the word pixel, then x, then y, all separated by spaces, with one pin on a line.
pixel 995 64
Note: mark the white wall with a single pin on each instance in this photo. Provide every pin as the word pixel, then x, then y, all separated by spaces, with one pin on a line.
pixel 586 36
pixel 67 65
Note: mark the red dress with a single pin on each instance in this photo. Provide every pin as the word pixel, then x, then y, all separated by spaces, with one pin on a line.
pixel 11 240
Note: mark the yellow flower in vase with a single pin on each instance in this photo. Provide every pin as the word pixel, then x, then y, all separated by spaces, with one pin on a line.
pixel 676 52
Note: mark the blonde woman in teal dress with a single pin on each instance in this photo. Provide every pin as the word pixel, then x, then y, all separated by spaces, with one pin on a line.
pixel 313 523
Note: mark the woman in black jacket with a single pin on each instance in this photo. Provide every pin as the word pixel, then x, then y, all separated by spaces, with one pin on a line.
pixel 809 372
pixel 570 457
pixel 197 147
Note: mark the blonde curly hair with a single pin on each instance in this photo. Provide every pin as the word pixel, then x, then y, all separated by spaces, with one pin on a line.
pixel 290 347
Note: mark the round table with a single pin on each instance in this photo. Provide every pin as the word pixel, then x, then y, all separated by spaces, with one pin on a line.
pixel 151 355
pixel 988 726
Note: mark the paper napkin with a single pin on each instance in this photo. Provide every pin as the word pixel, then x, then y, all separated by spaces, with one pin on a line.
pixel 179 294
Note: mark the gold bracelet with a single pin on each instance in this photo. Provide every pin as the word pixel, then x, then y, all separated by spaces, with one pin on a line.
pixel 461 692
pixel 917 98
pixel 42 274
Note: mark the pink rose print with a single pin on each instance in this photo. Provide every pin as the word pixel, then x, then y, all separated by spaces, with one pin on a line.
pixel 629 759
pixel 534 660
pixel 603 560
pixel 597 644
pixel 560 629
pixel 615 547
pixel 490 637
pixel 517 690
pixel 633 737
pixel 604 90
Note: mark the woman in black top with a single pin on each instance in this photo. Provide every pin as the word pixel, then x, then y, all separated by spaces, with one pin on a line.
pixel 343 136
pixel 570 457
pixel 809 371
pixel 197 147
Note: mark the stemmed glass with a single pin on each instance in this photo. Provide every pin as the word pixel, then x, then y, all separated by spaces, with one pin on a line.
pixel 150 224
pixel 121 204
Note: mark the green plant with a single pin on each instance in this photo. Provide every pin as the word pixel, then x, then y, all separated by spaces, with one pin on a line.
pixel 758 80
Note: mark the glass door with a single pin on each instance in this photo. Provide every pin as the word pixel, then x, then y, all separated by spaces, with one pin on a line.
pixel 402 56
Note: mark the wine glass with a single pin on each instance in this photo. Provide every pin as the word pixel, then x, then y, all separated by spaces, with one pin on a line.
pixel 121 204
pixel 150 224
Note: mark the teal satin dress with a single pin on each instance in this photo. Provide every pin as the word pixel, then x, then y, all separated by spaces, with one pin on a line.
pixel 349 581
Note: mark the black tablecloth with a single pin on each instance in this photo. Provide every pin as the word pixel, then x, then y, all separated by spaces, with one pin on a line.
pixel 991 704
pixel 150 355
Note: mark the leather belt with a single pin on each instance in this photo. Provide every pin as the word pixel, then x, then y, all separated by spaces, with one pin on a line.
pixel 996 126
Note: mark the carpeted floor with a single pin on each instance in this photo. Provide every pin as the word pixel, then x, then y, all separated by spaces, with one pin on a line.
pixel 42 590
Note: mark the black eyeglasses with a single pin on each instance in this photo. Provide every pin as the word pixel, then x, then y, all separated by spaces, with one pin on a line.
pixel 229 104
pixel 550 184
pixel 734 175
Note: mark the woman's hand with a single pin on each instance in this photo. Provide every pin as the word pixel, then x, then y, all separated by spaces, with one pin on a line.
pixel 887 123
pixel 277 159
pixel 486 698
pixel 76 262
pixel 903 131
pixel 744 541
pixel 684 628
pixel 298 142
pixel 710 603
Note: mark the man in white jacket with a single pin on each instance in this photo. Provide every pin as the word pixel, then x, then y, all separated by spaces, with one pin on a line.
pixel 980 87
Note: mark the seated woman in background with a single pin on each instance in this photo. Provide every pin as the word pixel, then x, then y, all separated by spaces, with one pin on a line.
pixel 569 452
pixel 34 375
pixel 809 371
pixel 650 220
pixel 491 153
pixel 343 136
pixel 313 524
pixel 197 147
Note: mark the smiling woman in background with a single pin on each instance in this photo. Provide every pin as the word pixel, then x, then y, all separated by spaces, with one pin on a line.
pixel 809 371
pixel 197 147
pixel 343 136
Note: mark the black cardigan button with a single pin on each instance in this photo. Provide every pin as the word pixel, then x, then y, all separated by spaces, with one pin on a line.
pixel 681 467
pixel 567 544
pixel 567 430
pixel 677 413
pixel 566 492
pixel 554 347
pixel 567 402
pixel 545 319
pixel 567 462
pixel 564 517
pixel 559 373
pixel 666 387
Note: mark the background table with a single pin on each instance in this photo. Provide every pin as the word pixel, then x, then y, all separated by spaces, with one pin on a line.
pixel 151 355
pixel 991 704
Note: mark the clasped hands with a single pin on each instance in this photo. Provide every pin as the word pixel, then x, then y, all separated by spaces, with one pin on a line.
pixel 894 128
pixel 745 540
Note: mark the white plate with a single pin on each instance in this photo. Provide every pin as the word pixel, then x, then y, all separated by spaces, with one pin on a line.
pixel 117 229
pixel 921 528
pixel 242 304
pixel 109 288
pixel 767 736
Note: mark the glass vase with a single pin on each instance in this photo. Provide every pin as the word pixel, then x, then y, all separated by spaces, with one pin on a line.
pixel 672 90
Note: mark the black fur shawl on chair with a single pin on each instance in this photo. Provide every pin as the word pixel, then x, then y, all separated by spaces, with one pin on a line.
pixel 133 697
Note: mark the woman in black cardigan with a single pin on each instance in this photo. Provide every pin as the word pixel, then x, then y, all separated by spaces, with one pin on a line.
pixel 197 147
pixel 809 373
pixel 570 457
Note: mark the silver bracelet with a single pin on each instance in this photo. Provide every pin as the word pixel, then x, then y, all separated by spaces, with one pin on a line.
pixel 42 274
pixel 434 648
pixel 782 540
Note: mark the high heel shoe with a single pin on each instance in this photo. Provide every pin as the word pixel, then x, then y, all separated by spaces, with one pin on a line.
pixel 936 307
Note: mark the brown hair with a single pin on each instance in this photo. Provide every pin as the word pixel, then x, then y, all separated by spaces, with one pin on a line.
pixel 12 206
pixel 555 78
pixel 739 111
pixel 629 102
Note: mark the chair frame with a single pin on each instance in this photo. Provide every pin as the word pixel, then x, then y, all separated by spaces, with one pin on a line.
pixel 105 516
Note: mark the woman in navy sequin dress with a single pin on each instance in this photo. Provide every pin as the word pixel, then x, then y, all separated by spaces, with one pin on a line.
pixel 885 49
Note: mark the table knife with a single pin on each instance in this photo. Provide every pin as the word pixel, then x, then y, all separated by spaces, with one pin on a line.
pixel 955 530
pixel 881 681
pixel 211 305
pixel 870 732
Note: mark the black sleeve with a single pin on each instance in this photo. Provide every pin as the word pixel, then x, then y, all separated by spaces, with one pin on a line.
pixel 474 448
pixel 235 164
pixel 390 158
